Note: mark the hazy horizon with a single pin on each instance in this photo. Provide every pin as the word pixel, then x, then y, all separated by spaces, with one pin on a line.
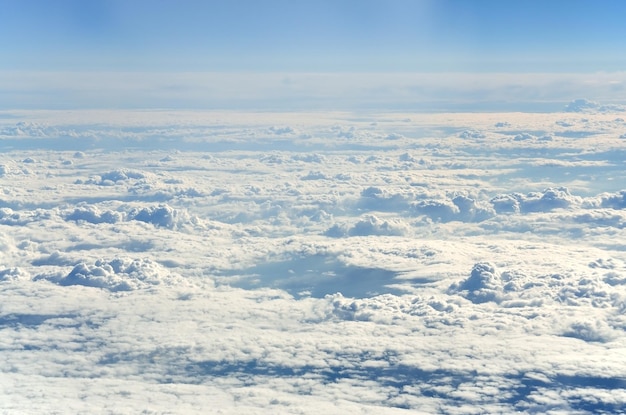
pixel 326 55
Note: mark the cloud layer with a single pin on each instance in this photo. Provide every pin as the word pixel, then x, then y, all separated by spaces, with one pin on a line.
pixel 303 263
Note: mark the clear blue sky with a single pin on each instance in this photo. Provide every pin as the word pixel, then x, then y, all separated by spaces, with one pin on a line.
pixel 314 35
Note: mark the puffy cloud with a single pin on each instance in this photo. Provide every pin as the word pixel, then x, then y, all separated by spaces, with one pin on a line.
pixel 115 176
pixel 13 274
pixel 162 216
pixel 548 200
pixel 591 331
pixel 459 208
pixel 506 203
pixel 92 214
pixel 370 225
pixel 118 274
pixel 197 269
pixel 379 198
pixel 314 175
pixel 614 201
pixel 524 137
pixel 12 168
pixel 484 284
pixel 439 210
pixel 588 106
pixel 282 130
pixel 471 134
pixel 472 211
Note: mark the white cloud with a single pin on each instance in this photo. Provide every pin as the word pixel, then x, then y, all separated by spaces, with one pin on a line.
pixel 181 262
pixel 483 284
pixel 119 274
pixel 587 106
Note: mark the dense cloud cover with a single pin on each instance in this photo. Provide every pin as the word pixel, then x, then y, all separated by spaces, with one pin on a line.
pixel 176 262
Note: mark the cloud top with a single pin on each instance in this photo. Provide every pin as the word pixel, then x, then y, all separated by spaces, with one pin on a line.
pixel 118 274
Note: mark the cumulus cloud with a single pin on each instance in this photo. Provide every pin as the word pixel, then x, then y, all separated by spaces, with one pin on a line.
pixel 112 177
pixel 549 199
pixel 440 210
pixel 93 214
pixel 459 208
pixel 325 263
pixel 118 274
pixel 372 225
pixel 545 201
pixel 314 175
pixel 162 216
pixel 471 134
pixel 12 169
pixel 369 225
pixel 381 199
pixel 588 106
pixel 614 200
pixel 13 274
pixel 483 284
pixel 591 331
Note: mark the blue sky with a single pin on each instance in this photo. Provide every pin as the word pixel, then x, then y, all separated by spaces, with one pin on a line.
pixel 364 36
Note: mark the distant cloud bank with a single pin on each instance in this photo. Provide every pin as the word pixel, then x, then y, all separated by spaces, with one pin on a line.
pixel 537 92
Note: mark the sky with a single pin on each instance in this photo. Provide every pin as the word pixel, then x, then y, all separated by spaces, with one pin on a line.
pixel 295 37
pixel 312 243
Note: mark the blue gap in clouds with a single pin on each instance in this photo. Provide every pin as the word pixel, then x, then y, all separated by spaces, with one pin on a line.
pixel 315 276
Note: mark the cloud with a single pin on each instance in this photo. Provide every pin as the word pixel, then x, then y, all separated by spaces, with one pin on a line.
pixel 587 106
pixel 483 284
pixel 471 134
pixel 380 199
pixel 12 169
pixel 163 216
pixel 180 261
pixel 118 274
pixel 305 91
pixel 614 201
pixel 13 274
pixel 549 199
pixel 370 225
pixel 314 175
pixel 591 331
pixel 439 210
pixel 506 203
pixel 459 208
pixel 545 201
pixel 92 214
pixel 111 178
